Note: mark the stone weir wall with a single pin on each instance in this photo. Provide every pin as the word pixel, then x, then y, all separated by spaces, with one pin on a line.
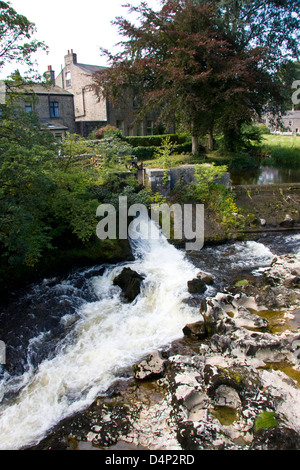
pixel 270 205
pixel 163 181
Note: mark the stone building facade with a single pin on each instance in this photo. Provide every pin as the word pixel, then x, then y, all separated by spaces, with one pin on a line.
pixel 290 123
pixel 92 112
pixel 54 106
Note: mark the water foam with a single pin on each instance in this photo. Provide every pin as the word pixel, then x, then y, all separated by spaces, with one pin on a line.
pixel 108 337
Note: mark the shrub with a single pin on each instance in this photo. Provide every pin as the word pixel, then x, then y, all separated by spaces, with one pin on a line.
pixel 144 153
pixel 155 140
pixel 107 131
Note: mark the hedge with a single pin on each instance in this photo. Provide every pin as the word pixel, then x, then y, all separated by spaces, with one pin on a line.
pixel 155 140
pixel 148 153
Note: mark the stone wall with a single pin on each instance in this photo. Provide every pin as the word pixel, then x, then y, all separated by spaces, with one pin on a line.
pixel 163 181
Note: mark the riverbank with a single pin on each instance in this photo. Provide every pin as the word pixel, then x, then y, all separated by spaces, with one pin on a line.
pixel 231 382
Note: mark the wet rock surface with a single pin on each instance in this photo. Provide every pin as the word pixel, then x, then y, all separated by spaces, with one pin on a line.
pixel 236 386
pixel 130 283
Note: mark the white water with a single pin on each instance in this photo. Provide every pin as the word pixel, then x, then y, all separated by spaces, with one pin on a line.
pixel 108 336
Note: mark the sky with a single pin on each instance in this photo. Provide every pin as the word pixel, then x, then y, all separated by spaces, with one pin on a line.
pixel 81 25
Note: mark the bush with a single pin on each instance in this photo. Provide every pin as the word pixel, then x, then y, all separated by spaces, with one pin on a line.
pixel 149 153
pixel 144 153
pixel 155 140
pixel 107 131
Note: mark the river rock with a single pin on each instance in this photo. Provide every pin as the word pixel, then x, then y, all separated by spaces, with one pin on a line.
pixel 196 286
pixel 207 278
pixel 130 283
pixel 213 398
pixel 153 367
pixel 288 222
pixel 195 330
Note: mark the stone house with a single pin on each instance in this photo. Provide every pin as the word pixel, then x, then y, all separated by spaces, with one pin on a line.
pixel 290 123
pixel 54 106
pixel 92 112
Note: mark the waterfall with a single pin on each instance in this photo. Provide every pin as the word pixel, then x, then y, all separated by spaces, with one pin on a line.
pixel 100 336
pixel 107 337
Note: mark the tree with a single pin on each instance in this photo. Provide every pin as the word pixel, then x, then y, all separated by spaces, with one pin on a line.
pixel 212 64
pixel 16 31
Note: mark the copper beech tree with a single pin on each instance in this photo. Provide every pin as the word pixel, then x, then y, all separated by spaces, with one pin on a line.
pixel 209 65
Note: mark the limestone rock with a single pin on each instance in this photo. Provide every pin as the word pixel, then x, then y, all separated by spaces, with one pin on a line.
pixel 195 330
pixel 287 222
pixel 227 396
pixel 153 367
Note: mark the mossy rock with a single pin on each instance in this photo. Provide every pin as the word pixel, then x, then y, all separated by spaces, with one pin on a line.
pixel 265 420
pixel 242 283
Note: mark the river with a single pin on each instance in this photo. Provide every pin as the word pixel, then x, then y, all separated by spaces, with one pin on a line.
pixel 265 175
pixel 68 339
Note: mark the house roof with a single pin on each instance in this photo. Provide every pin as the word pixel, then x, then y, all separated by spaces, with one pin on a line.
pixel 40 89
pixel 90 68
pixel 53 126
pixel 292 114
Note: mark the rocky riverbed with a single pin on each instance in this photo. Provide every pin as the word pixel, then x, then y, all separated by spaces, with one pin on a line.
pixel 231 382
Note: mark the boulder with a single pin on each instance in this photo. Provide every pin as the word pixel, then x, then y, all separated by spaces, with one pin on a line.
pixel 130 283
pixel 195 330
pixel 207 278
pixel 287 222
pixel 153 367
pixel 196 286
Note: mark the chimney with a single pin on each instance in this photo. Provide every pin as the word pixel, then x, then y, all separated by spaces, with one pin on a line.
pixel 70 58
pixel 50 74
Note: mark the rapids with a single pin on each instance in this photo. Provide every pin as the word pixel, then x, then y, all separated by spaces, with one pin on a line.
pixel 69 339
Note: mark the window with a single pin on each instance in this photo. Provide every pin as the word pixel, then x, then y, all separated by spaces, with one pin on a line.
pixel 28 108
pixel 68 80
pixel 290 123
pixel 54 109
pixel 149 127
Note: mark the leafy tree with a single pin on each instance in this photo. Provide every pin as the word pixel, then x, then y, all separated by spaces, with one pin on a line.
pixel 16 31
pixel 212 64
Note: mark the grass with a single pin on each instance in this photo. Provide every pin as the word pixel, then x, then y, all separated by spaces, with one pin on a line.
pixel 276 150
pixel 282 150
pixel 189 159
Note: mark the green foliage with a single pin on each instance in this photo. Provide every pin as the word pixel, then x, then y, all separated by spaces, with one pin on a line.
pixel 265 420
pixel 213 66
pixel 207 175
pixel 208 190
pixel 155 140
pixel 114 151
pixel 244 140
pixel 23 128
pixel 144 153
pixel 15 34
pixel 75 145
pixel 281 150
pixel 163 156
pixel 107 131
pixel 26 189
